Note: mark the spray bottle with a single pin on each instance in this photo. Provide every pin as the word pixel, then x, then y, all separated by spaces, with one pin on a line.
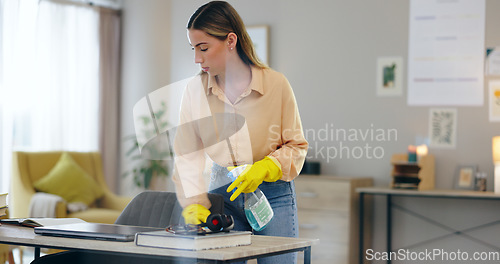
pixel 257 208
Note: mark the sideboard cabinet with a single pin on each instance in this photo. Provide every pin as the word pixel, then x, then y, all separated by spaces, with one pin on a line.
pixel 328 209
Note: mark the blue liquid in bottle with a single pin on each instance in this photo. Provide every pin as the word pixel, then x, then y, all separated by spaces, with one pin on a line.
pixel 258 210
pixel 251 220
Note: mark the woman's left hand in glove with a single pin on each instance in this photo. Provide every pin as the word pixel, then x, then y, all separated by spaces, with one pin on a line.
pixel 267 169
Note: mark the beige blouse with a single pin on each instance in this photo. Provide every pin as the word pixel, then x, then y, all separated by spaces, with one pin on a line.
pixel 263 121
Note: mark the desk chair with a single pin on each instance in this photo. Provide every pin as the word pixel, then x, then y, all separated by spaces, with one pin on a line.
pixel 150 208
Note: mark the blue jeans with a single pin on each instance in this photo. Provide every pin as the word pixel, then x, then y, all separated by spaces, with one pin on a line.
pixel 281 196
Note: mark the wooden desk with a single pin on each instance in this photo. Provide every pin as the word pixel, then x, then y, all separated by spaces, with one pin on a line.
pixel 389 193
pixel 262 246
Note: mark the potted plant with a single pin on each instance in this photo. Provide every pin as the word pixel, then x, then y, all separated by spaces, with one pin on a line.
pixel 144 170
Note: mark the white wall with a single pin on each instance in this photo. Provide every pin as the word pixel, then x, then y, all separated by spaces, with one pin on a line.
pixel 328 51
pixel 146 54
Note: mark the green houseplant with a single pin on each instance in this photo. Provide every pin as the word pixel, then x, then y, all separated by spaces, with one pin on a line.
pixel 144 170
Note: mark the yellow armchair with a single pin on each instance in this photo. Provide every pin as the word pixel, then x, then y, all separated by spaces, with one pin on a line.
pixel 28 167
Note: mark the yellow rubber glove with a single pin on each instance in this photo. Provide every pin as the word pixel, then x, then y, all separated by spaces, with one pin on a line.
pixel 195 214
pixel 268 170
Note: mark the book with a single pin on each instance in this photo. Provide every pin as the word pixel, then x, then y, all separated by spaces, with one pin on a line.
pixel 3 200
pixel 41 221
pixel 3 204
pixel 3 211
pixel 164 239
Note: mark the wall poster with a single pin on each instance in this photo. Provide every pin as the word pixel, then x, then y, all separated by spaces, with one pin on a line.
pixel 446 52
pixel 389 76
pixel 442 127
pixel 494 98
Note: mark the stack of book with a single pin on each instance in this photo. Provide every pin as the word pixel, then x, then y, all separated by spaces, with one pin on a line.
pixel 3 204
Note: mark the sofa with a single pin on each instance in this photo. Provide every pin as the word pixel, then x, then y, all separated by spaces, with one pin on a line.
pixel 29 167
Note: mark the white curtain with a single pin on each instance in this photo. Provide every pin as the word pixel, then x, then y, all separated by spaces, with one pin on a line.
pixel 50 70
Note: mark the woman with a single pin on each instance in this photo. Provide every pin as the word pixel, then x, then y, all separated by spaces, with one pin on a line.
pixel 234 83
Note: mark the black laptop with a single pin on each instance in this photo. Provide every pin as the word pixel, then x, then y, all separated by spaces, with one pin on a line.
pixel 95 231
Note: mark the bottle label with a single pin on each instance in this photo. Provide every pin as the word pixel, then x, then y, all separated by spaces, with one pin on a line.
pixel 262 211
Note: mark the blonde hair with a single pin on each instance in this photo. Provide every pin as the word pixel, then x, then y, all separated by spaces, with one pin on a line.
pixel 218 19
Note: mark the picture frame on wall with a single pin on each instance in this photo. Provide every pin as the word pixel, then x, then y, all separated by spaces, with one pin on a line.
pixel 389 76
pixel 494 100
pixel 260 38
pixel 442 127
pixel 465 177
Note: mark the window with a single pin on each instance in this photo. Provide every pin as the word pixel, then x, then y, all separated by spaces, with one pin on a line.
pixel 49 93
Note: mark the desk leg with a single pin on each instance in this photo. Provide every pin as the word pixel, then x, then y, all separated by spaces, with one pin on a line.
pixel 37 252
pixel 307 255
pixel 361 226
pixel 389 225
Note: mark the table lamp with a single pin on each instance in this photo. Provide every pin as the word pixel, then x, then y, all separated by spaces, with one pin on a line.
pixel 422 151
pixel 496 161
